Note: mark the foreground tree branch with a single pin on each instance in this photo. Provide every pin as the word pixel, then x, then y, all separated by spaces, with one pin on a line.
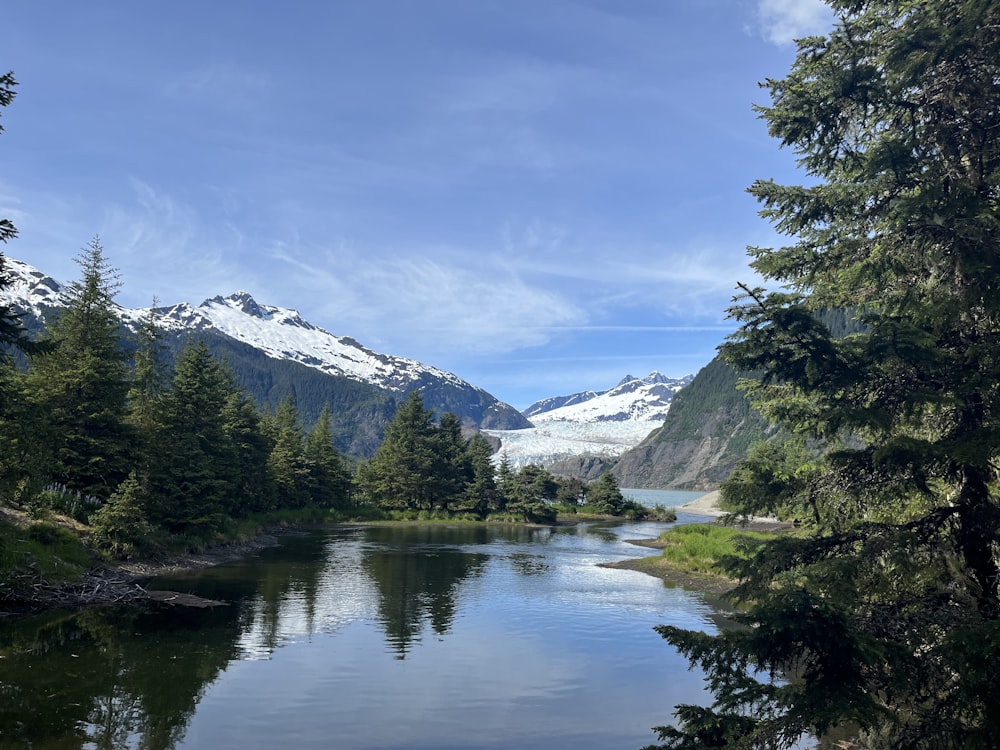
pixel 887 616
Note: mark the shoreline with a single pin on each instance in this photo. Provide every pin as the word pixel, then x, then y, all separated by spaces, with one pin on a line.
pixel 118 582
pixel 655 565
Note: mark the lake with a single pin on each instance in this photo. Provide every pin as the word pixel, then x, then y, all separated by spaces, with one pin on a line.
pixel 435 636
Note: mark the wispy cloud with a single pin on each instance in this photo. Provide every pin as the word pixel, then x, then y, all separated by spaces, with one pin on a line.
pixel 784 21
pixel 219 82
pixel 433 305
pixel 164 248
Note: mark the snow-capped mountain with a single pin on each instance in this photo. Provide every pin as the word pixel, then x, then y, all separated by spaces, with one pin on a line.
pixel 592 423
pixel 282 335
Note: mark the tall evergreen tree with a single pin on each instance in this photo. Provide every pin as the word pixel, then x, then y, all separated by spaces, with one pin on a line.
pixel 482 494
pixel 451 466
pixel 605 495
pixel 533 489
pixel 193 488
pixel 21 452
pixel 287 463
pixel 401 473
pixel 329 482
pixel 887 617
pixel 81 384
pixel 147 392
pixel 252 444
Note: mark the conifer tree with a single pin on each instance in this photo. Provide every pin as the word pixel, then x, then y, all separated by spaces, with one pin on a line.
pixel 506 477
pixel 451 466
pixel 401 473
pixel 482 494
pixel 287 463
pixel 329 482
pixel 255 489
pixel 887 617
pixel 194 483
pixel 147 392
pixel 605 495
pixel 22 453
pixel 80 385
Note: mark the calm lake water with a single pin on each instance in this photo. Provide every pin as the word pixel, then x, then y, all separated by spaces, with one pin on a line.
pixel 371 637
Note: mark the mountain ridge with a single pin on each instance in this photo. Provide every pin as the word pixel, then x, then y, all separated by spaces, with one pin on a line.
pixel 268 344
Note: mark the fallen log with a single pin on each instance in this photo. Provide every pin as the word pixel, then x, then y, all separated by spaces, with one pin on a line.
pixel 182 600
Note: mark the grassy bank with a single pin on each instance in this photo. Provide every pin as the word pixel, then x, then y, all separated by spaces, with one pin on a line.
pixel 691 555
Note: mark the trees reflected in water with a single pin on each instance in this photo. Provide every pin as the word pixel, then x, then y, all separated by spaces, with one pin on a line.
pixel 133 677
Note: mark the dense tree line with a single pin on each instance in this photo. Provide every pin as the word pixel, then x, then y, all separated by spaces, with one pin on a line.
pixel 884 619
pixel 99 426
pixel 427 467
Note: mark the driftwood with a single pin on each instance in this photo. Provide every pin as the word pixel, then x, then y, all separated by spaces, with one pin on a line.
pixel 182 600
pixel 99 587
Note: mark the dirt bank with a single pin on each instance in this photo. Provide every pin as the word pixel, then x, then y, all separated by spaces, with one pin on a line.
pixel 112 582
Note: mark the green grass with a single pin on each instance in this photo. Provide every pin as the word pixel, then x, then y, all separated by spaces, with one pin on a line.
pixel 699 547
pixel 41 550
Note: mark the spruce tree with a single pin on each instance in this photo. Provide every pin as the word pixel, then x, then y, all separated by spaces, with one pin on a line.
pixel 401 474
pixel 482 494
pixel 23 455
pixel 148 388
pixel 605 495
pixel 886 617
pixel 80 385
pixel 193 488
pixel 452 470
pixel 286 463
pixel 252 443
pixel 329 482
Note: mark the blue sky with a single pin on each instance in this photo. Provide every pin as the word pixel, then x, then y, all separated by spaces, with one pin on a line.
pixel 538 195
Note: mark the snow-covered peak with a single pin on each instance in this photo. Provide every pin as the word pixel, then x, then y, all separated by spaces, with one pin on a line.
pixel 279 332
pixel 633 399
pixel 282 333
pixel 30 289
pixel 243 304
pixel 591 423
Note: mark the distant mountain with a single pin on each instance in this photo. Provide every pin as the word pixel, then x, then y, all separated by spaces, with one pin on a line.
pixel 580 434
pixel 273 351
pixel 708 431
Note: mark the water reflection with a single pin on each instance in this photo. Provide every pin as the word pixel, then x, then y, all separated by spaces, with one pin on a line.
pixel 109 678
pixel 529 633
pixel 418 578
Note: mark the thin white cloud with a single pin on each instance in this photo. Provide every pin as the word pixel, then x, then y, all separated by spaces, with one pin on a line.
pixel 225 81
pixel 784 21
pixel 163 248
pixel 429 304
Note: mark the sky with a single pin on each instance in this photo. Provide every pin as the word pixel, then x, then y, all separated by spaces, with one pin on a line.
pixel 541 196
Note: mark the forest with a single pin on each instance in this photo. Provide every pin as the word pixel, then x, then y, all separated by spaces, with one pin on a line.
pixel 97 426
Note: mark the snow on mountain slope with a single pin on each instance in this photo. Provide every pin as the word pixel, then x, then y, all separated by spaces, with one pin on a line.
pixel 283 334
pixel 278 332
pixel 30 289
pixel 604 423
